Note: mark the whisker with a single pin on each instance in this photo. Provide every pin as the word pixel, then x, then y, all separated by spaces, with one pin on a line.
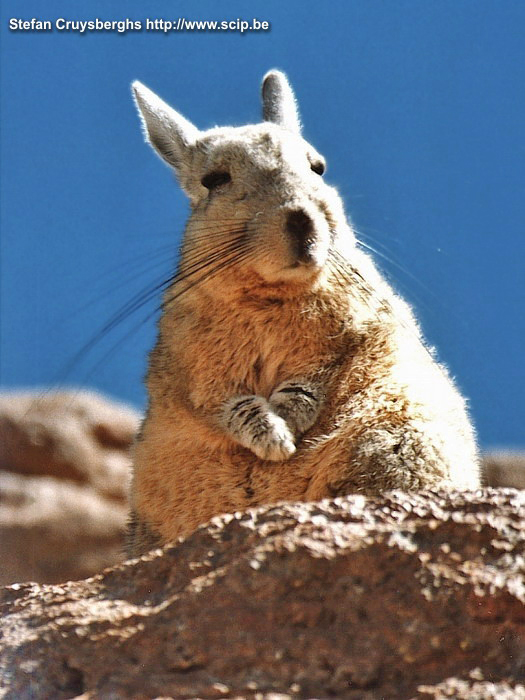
pixel 241 255
pixel 384 304
pixel 200 259
pixel 195 226
pixel 119 285
pixel 135 328
pixel 112 349
pixel 146 294
pixel 190 278
pixel 144 321
pixel 211 235
pixel 361 233
pixel 350 275
pixel 207 240
pixel 225 249
pixel 207 226
pixel 400 267
pixel 140 300
pixel 137 260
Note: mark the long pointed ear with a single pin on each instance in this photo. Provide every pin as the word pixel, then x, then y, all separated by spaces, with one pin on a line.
pixel 170 134
pixel 279 105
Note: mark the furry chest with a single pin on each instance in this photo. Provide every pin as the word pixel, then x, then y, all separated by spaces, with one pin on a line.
pixel 228 359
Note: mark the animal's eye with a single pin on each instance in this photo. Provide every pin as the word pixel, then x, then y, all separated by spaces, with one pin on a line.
pixel 318 167
pixel 215 179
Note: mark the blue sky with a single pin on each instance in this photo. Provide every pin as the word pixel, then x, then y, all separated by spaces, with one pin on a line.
pixel 418 106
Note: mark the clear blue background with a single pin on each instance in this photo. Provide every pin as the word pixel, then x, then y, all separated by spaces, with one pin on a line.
pixel 418 106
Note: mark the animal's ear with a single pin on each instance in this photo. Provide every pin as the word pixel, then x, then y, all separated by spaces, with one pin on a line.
pixel 170 134
pixel 279 105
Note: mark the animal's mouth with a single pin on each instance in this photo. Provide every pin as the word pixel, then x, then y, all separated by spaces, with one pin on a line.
pixel 306 261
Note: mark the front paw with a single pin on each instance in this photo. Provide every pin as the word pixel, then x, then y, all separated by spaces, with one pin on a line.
pixel 273 440
pixel 298 402
pixel 252 423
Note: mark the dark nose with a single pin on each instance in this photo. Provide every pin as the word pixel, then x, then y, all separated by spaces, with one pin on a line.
pixel 301 229
pixel 299 224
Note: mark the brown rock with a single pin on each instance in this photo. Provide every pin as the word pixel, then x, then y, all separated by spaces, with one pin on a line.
pixel 63 489
pixel 78 436
pixel 53 530
pixel 504 468
pixel 405 596
pixel 472 690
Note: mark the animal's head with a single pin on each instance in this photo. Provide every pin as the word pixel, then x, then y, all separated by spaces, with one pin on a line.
pixel 257 192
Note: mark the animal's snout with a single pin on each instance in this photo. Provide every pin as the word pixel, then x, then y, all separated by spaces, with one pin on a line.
pixel 302 232
pixel 299 224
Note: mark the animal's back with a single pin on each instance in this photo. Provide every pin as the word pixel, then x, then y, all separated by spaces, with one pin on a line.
pixel 285 367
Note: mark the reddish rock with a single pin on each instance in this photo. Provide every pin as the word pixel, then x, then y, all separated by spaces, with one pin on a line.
pixel 63 489
pixel 504 468
pixel 77 436
pixel 53 530
pixel 405 596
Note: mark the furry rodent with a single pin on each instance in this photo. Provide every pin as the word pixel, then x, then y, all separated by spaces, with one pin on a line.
pixel 285 367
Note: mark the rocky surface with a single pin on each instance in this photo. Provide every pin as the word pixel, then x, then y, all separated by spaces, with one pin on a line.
pixel 64 474
pixel 472 690
pixel 53 530
pixel 406 596
pixel 76 436
pixel 504 468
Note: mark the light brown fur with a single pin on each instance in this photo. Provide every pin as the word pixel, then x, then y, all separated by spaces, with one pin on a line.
pixel 388 414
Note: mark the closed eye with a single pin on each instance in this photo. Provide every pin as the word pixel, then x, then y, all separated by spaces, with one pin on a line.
pixel 215 179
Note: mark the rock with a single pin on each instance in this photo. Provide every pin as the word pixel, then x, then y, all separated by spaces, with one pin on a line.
pixel 78 436
pixel 473 690
pixel 53 530
pixel 63 489
pixel 504 468
pixel 404 596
